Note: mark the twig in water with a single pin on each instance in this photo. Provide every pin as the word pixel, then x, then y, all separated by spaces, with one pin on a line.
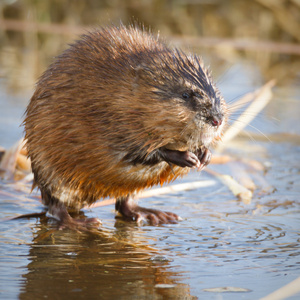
pixel 284 292
pixel 242 176
pixel 238 190
pixel 162 191
pixel 9 160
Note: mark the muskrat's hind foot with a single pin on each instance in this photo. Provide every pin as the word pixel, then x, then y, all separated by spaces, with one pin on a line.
pixel 130 210
pixel 60 213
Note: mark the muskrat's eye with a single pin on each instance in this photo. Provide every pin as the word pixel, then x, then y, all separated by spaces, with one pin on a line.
pixel 186 95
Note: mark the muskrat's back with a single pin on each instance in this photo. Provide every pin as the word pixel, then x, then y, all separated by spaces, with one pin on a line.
pixel 107 106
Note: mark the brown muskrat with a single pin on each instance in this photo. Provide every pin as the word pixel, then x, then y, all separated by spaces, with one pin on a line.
pixel 115 113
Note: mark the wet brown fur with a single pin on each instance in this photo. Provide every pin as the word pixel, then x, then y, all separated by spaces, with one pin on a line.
pixel 109 100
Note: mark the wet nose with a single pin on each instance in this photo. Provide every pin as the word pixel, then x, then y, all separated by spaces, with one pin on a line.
pixel 216 120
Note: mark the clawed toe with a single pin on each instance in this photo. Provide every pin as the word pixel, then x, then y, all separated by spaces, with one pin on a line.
pixel 130 211
pixel 204 157
pixel 153 217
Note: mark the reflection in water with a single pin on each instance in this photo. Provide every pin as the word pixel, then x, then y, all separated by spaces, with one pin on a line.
pixel 66 264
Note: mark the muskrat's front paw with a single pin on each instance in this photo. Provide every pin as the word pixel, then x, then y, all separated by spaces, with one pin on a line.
pixel 189 159
pixel 181 158
pixel 204 156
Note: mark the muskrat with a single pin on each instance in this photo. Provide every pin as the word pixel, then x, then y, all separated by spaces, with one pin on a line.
pixel 117 112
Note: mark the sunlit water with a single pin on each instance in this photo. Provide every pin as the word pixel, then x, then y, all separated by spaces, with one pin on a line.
pixel 221 242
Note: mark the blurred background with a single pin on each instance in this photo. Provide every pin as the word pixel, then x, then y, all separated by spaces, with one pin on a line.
pixel 263 32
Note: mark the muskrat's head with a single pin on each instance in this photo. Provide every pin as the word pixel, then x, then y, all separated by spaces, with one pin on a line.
pixel 192 112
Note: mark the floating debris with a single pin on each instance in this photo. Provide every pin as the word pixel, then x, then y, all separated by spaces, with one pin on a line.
pixel 164 286
pixel 226 289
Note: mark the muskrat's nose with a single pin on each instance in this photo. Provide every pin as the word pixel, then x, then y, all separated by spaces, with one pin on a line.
pixel 216 120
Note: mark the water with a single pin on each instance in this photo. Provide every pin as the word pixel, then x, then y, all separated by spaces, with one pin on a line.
pixel 221 242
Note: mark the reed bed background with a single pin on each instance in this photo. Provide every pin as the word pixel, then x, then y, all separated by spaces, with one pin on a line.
pixel 263 31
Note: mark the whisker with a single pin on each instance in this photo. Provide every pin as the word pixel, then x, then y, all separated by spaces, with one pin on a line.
pixel 250 136
pixel 236 97
pixel 220 80
pixel 253 127
pixel 235 114
pixel 264 135
pixel 235 106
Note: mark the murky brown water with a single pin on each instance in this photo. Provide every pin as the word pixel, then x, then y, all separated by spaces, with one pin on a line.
pixel 220 242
